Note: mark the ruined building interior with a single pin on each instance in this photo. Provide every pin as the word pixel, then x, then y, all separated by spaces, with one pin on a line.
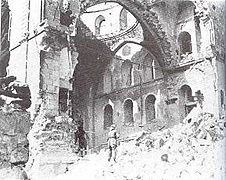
pixel 140 64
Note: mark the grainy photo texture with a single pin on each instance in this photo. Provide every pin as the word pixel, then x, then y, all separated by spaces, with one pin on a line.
pixel 112 90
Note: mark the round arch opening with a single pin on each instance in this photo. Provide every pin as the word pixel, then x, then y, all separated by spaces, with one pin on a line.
pixel 108 116
pixel 150 108
pixel 128 113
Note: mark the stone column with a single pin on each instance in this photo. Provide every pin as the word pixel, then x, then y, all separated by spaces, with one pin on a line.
pixel 51 137
pixel 49 82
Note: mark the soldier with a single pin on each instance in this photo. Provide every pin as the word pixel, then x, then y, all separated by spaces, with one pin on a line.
pixel 81 139
pixel 112 142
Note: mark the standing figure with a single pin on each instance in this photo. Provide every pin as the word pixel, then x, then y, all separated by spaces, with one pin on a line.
pixel 112 142
pixel 80 138
pixel 66 17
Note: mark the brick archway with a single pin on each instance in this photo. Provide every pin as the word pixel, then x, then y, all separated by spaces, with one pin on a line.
pixel 155 38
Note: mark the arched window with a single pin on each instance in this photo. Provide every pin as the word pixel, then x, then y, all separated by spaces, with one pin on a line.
pixel 150 108
pixel 123 19
pixel 108 116
pixel 128 112
pixel 186 93
pixel 184 41
pixel 186 100
pixel 222 97
pixel 98 23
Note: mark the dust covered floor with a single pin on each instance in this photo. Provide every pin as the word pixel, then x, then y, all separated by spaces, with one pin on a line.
pixel 194 149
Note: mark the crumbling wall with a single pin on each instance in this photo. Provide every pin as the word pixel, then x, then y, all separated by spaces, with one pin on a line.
pixel 14 152
pixel 51 135
pixel 51 146
pixel 168 9
pixel 15 125
pixel 217 12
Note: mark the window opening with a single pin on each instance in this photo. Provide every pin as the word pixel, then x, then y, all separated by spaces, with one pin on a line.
pixel 108 116
pixel 185 43
pixel 128 113
pixel 150 108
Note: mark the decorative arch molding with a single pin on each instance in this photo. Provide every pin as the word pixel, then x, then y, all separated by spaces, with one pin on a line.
pixel 154 37
pixel 133 42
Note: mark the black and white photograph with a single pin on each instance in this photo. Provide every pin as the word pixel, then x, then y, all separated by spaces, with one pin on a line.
pixel 113 90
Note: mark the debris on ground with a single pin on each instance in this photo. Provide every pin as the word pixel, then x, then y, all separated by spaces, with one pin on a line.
pixel 193 149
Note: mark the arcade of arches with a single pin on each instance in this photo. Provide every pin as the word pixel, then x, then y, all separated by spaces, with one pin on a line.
pixel 142 65
pixel 147 82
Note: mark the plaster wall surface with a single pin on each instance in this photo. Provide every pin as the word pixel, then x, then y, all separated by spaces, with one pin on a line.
pixel 111 24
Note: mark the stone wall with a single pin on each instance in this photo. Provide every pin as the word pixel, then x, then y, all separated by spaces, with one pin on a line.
pixel 45 60
pixel 14 145
pixel 52 136
pixel 52 148
pixel 217 12
pixel 117 99
pixel 54 60
pixel 197 70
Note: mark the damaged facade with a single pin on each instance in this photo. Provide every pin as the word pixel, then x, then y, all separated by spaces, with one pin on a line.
pixel 138 64
pixel 164 63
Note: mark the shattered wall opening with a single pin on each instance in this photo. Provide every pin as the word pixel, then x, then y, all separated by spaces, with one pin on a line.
pixel 185 43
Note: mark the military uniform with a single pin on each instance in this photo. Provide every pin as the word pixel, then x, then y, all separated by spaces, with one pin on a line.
pixel 112 143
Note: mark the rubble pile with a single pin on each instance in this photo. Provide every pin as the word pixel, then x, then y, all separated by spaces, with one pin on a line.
pixel 193 149
pixel 187 151
pixel 51 146
pixel 15 125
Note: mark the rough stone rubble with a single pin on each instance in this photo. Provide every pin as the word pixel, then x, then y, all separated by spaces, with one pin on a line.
pixel 51 147
pixel 14 127
pixel 193 149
